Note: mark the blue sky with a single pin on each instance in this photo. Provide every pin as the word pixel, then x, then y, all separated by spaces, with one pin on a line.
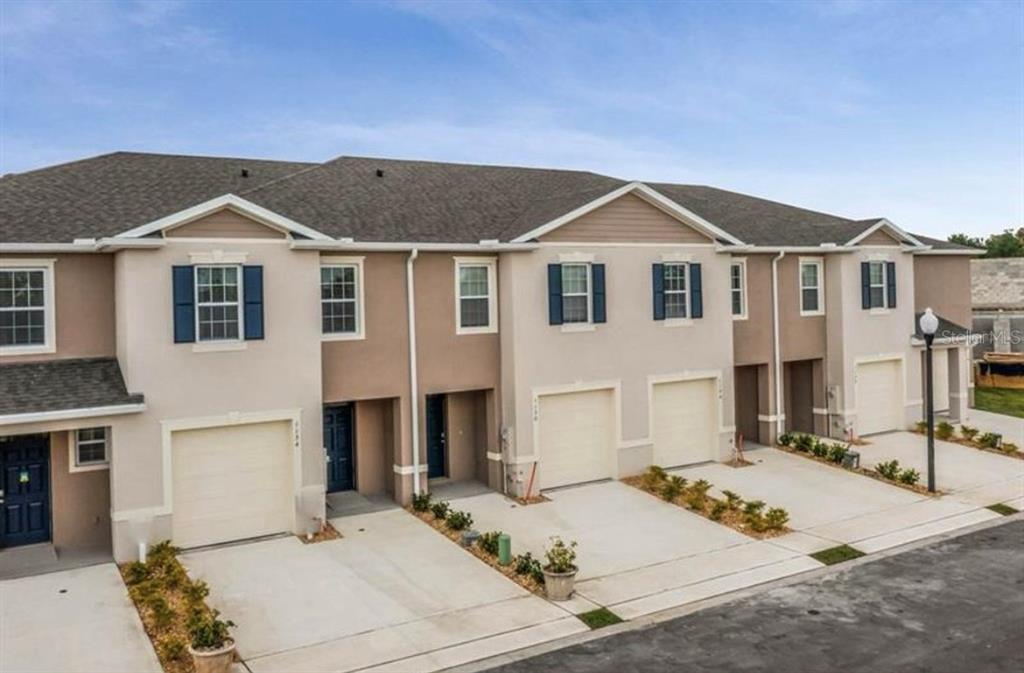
pixel 909 110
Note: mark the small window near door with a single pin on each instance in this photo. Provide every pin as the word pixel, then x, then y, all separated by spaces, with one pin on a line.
pixel 91 450
pixel 812 296
pixel 738 288
pixel 475 300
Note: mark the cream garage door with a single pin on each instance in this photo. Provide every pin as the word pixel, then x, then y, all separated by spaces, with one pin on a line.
pixel 940 367
pixel 684 426
pixel 231 482
pixel 879 393
pixel 575 437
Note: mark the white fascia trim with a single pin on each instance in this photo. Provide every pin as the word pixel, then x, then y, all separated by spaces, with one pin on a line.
pixel 401 246
pixel 83 245
pixel 248 208
pixel 65 414
pixel 885 223
pixel 652 196
pixel 930 251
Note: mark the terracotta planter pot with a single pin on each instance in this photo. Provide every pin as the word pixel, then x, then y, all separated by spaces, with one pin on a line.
pixel 214 661
pixel 559 586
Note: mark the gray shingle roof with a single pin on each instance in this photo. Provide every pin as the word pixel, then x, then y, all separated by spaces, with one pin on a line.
pixel 109 194
pixel 939 244
pixel 413 201
pixel 58 385
pixel 947 328
pixel 997 283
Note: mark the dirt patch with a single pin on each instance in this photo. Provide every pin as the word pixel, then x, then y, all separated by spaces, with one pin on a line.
pixel 326 533
pixel 532 500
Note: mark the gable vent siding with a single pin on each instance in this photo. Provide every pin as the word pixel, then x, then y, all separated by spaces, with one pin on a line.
pixel 554 294
pixel 696 292
pixel 627 218
pixel 865 285
pixel 183 287
pixel 252 293
pixel 600 302
pixel 890 277
pixel 658 285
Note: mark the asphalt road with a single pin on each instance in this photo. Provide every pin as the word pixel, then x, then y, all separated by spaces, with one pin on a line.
pixel 956 606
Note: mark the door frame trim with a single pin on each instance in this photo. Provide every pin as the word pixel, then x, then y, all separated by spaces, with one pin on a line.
pixel 49 491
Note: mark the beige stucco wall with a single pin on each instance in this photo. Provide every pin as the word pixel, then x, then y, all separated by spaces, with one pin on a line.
pixel 630 347
pixel 374 455
pixel 83 285
pixel 943 283
pixel 279 374
pixel 803 337
pixel 752 337
pixel 80 501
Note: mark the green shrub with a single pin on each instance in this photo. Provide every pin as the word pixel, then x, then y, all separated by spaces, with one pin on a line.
pixel 753 507
pixel 143 591
pixel 909 476
pixel 175 576
pixel 786 439
pixel 753 516
pixel 525 564
pixel 172 648
pixel 209 632
pixel 459 520
pixel 136 573
pixel 653 478
pixel 701 486
pixel 921 426
pixel 1010 447
pixel 561 557
pixel 718 510
pixel 732 499
pixel 489 542
pixel 802 442
pixel 944 430
pixel 163 614
pixel 889 470
pixel 820 448
pixel 990 440
pixel 776 518
pixel 421 502
pixel 968 433
pixel 196 591
pixel 669 491
pixel 836 453
pixel 439 509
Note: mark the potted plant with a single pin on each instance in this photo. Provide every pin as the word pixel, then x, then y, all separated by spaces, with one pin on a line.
pixel 212 647
pixel 560 571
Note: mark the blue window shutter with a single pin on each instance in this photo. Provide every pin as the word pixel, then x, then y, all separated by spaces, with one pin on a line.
pixel 658 283
pixel 554 294
pixel 183 282
pixel 252 291
pixel 696 293
pixel 890 277
pixel 865 285
pixel 597 277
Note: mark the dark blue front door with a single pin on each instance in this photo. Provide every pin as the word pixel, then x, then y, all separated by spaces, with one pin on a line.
pixel 437 459
pixel 338 438
pixel 25 462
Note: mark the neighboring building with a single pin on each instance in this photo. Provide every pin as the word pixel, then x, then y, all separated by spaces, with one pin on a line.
pixel 200 348
pixel 997 294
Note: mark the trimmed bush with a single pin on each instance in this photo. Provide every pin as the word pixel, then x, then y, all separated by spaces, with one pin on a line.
pixel 968 433
pixel 921 426
pixel 732 499
pixel 889 470
pixel 776 518
pixel 786 439
pixel 440 509
pixel 909 476
pixel 653 478
pixel 802 442
pixel 525 564
pixel 718 510
pixel 459 520
pixel 421 502
pixel 944 430
pixel 489 542
pixel 836 453
pixel 990 440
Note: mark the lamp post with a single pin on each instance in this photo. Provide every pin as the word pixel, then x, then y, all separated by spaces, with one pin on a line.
pixel 929 325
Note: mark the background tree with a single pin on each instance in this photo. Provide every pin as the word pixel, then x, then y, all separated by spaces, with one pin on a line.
pixel 1007 244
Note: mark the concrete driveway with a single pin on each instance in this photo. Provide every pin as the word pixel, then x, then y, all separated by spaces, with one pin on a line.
pixel 968 475
pixel 391 593
pixel 829 506
pixel 636 554
pixel 1010 427
pixel 75 620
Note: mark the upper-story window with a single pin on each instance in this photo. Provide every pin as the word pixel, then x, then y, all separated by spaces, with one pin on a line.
pixel 575 293
pixel 26 306
pixel 218 303
pixel 676 304
pixel 475 300
pixel 877 284
pixel 341 298
pixel 738 288
pixel 812 295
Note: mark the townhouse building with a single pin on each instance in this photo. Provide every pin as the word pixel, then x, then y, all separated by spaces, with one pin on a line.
pixel 204 349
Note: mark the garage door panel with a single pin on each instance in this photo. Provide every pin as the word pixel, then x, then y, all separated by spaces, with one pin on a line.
pixel 940 366
pixel 684 422
pixel 879 393
pixel 231 483
pixel 575 437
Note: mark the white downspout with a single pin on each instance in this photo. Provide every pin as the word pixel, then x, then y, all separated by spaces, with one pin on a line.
pixel 410 288
pixel 779 406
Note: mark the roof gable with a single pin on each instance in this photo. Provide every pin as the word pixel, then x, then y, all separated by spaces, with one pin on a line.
pixel 224 223
pixel 627 219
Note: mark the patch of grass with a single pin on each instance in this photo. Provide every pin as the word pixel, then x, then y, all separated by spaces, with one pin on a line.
pixel 834 555
pixel 1009 401
pixel 1000 508
pixel 597 619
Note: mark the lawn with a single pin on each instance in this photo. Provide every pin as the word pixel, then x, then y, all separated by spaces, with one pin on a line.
pixel 1009 401
pixel 836 555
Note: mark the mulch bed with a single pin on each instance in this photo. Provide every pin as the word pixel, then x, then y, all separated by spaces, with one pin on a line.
pixel 328 532
pixel 532 500
pixel 456 536
pixel 916 488
pixel 1019 455
pixel 733 518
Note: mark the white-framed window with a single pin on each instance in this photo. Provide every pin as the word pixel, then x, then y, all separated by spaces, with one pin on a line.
pixel 738 288
pixel 218 303
pixel 877 285
pixel 677 279
pixel 476 302
pixel 341 298
pixel 812 286
pixel 90 449
pixel 26 306
pixel 576 291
